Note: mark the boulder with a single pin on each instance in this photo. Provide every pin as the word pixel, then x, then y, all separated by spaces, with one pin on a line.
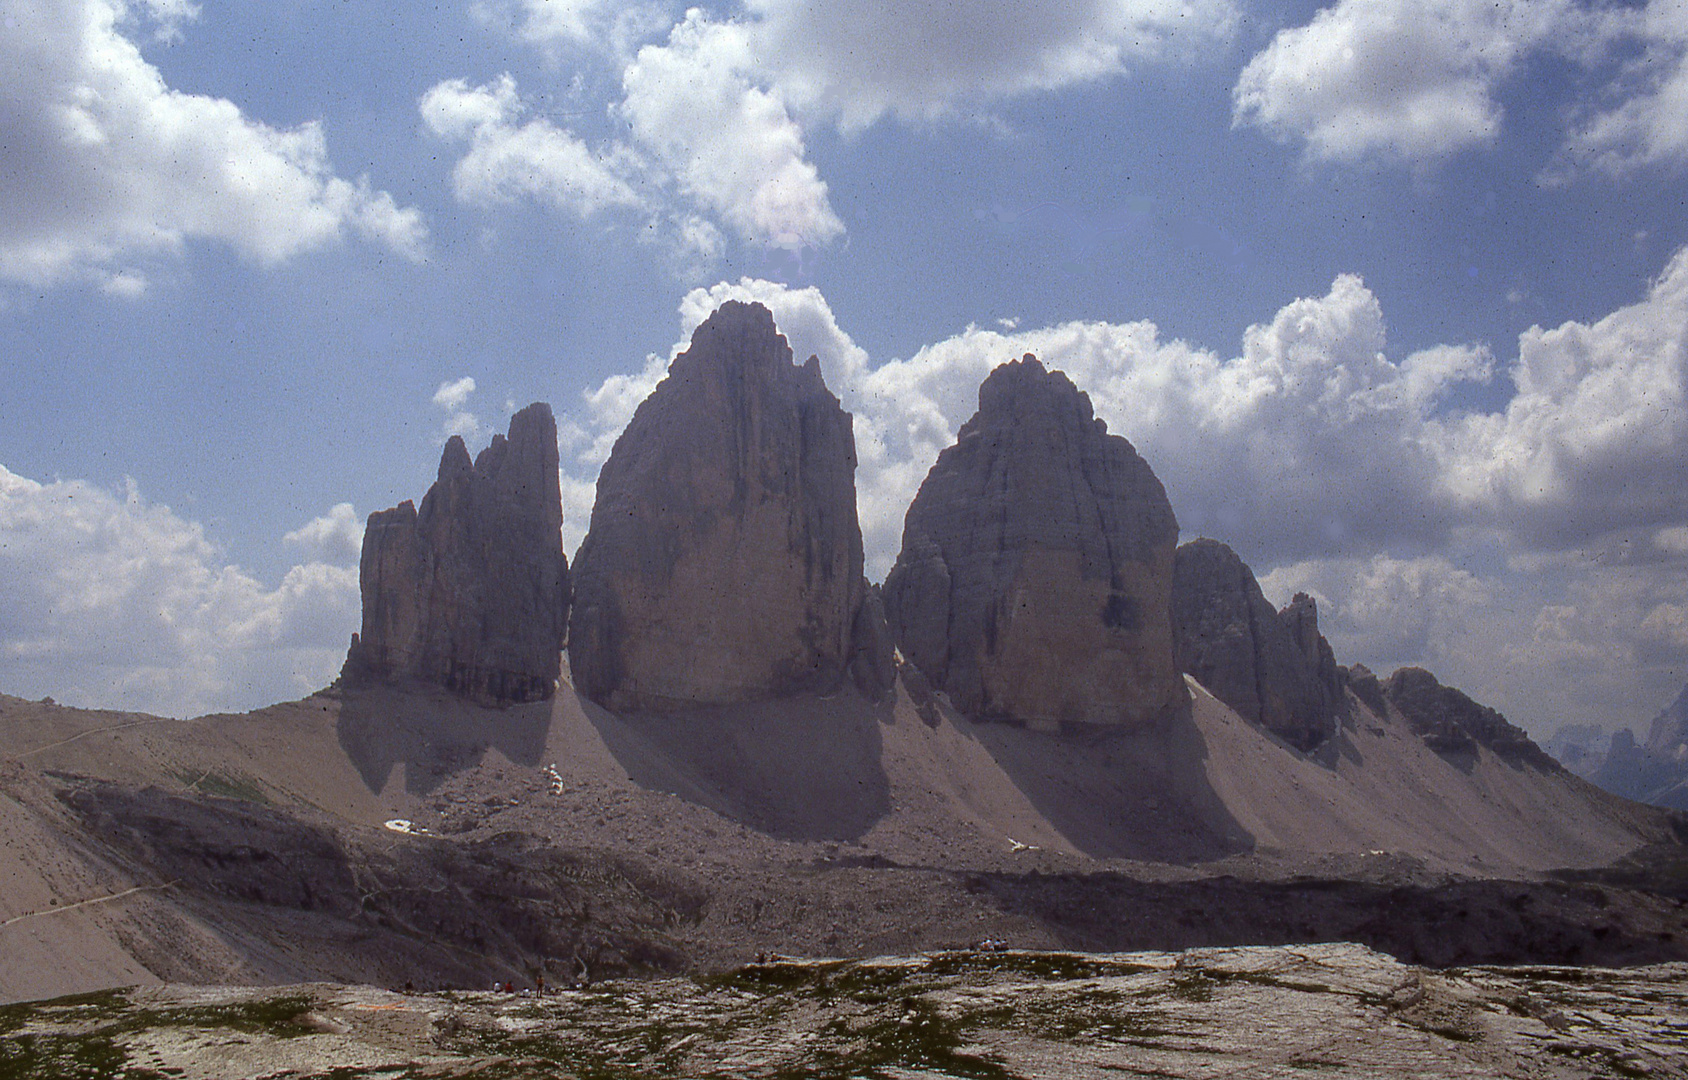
pixel 1260 662
pixel 1035 577
pixel 471 593
pixel 724 559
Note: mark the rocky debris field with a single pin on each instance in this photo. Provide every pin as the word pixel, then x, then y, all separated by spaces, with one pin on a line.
pixel 1335 1009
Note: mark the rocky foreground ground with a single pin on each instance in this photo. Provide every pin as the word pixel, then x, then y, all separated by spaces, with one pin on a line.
pixel 1332 1010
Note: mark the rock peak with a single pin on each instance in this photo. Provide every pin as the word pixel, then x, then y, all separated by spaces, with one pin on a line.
pixel 1272 668
pixel 454 459
pixel 1025 387
pixel 724 559
pixel 471 592
pixel 1450 723
pixel 1035 576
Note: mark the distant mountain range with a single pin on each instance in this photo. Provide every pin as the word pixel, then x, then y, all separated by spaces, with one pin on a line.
pixel 1652 772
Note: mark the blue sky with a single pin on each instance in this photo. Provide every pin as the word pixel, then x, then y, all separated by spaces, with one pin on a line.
pixel 1392 294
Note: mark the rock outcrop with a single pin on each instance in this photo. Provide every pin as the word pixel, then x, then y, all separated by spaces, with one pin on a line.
pixel 472 592
pixel 1366 687
pixel 724 559
pixel 1270 667
pixel 1655 771
pixel 1449 722
pixel 1301 615
pixel 1035 576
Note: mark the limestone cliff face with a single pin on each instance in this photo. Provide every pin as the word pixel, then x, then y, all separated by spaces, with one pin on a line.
pixel 472 592
pixel 724 559
pixel 1269 667
pixel 1035 576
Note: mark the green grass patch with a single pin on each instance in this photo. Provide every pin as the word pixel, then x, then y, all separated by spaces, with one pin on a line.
pixel 96 1025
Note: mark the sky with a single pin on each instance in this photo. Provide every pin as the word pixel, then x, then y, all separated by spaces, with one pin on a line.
pixel 1391 294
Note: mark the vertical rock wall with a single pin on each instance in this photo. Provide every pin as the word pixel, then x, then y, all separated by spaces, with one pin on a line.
pixel 724 559
pixel 1270 667
pixel 471 593
pixel 1035 576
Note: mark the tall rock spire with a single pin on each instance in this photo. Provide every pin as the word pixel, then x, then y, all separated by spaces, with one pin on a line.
pixel 724 559
pixel 1273 668
pixel 472 592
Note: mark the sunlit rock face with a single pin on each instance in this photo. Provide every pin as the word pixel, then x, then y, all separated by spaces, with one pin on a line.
pixel 1272 668
pixel 1035 576
pixel 724 559
pixel 471 593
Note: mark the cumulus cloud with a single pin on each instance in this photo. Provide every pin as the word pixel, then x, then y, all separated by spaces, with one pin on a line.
pixel 1649 125
pixel 560 26
pixel 1578 642
pixel 1596 438
pixel 117 602
pixel 507 160
pixel 1390 612
pixel 334 537
pixel 1413 80
pixel 548 21
pixel 1308 442
pixel 453 397
pixel 861 59
pixel 454 394
pixel 719 107
pixel 708 144
pixel 107 169
pixel 732 145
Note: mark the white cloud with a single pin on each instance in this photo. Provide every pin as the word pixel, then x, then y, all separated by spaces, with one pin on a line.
pixel 1575 641
pixel 334 537
pixel 1672 540
pixel 559 26
pixel 453 397
pixel 542 21
pixel 717 111
pixel 731 144
pixel 1399 79
pixel 536 159
pixel 1309 441
pixel 108 169
pixel 115 602
pixel 454 393
pixel 861 59
pixel 1596 437
pixel 1650 124
pixel 1390 612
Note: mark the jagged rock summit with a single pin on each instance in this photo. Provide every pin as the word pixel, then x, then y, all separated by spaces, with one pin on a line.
pixel 471 593
pixel 724 559
pixel 1035 576
pixel 1273 668
pixel 1655 771
pixel 1451 723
